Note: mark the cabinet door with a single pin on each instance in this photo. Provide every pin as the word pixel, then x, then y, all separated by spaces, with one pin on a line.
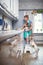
pixel 6 4
pixel 16 7
pixel 12 6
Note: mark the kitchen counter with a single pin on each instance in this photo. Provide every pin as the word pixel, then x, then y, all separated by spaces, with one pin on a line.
pixel 8 34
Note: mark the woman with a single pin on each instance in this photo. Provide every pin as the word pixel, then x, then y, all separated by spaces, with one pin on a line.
pixel 28 33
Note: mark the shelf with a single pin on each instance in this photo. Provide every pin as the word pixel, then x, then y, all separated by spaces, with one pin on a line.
pixel 8 34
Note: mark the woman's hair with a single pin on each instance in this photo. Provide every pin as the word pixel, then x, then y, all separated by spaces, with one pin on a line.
pixel 26 25
pixel 26 16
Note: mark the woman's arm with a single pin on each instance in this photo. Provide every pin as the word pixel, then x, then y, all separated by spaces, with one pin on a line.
pixel 30 27
pixel 23 26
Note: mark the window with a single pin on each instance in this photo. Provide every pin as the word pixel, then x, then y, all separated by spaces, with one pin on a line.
pixel 38 21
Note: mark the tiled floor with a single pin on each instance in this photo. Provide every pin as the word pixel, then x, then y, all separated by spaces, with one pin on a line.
pixel 27 59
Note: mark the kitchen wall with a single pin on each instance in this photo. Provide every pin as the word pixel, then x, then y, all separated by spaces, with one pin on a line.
pixel 31 4
pixel 19 23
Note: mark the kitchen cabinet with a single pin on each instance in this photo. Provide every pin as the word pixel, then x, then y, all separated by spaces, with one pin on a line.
pixel 12 6
pixel 6 4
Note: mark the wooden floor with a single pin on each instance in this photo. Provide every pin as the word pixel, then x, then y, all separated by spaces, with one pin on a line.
pixel 26 59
